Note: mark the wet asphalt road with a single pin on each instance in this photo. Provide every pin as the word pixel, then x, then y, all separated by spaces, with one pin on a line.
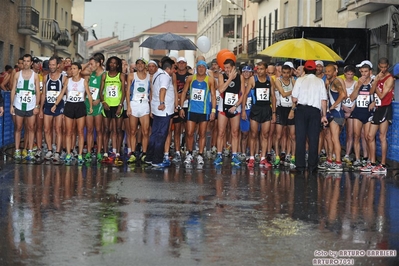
pixel 60 215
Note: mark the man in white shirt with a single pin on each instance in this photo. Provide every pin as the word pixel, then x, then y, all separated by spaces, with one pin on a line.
pixel 310 96
pixel 162 109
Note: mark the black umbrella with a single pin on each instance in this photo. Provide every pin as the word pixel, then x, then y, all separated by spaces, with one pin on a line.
pixel 168 41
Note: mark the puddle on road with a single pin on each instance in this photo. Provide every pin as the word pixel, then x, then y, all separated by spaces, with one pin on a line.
pixel 187 217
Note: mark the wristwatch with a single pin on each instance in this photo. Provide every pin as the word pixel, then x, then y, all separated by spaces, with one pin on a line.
pixel 162 103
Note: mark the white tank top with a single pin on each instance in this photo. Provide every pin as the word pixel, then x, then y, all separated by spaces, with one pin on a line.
pixel 139 89
pixel 76 91
pixel 286 101
pixel 25 99
pixel 347 102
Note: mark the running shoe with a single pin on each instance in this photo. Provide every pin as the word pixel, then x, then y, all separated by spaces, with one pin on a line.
pixel 264 163
pixel 367 168
pixel 143 157
pixel 56 158
pixel 131 159
pixel 177 158
pixel 335 167
pixel 379 169
pixel 276 161
pixel 24 153
pixel 242 157
pixel 235 160
pixel 200 160
pixel 118 160
pixel 88 157
pixel 287 160
pixel 357 164
pixel 347 159
pixel 269 157
pixel 324 165
pixel 292 162
pixel 251 163
pixel 257 158
pixel 49 155
pixel 166 162
pixel 160 165
pixel 108 159
pixel 218 160
pixel 68 159
pixel 17 155
pixel 214 150
pixel 189 159
pixel 99 157
pixel 30 156
pixel 38 154
pixel 282 157
pixel 80 159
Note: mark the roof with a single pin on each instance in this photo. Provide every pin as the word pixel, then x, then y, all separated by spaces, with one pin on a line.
pixel 177 27
pixel 96 42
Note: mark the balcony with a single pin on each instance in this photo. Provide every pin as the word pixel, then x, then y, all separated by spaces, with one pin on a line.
pixel 64 40
pixel 28 23
pixel 253 46
pixel 370 6
pixel 50 31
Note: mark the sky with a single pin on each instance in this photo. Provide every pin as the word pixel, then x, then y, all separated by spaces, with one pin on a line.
pixel 129 18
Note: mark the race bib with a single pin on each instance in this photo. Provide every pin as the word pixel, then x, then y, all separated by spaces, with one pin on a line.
pixel 262 94
pixel 51 96
pixel 75 96
pixel 94 93
pixel 363 101
pixel 230 98
pixel 140 97
pixel 248 104
pixel 197 95
pixel 112 91
pixel 377 100
pixel 25 96
pixel 347 102
pixel 286 101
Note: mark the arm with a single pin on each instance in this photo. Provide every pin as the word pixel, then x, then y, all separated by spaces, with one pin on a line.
pixel 223 85
pixel 37 91
pixel 388 86
pixel 342 93
pixel 12 94
pixel 43 96
pixel 279 87
pixel 6 80
pixel 88 93
pixel 129 81
pixel 184 94
pixel 355 92
pixel 174 79
pixel 273 94
pixel 105 105
pixel 59 98
pixel 211 83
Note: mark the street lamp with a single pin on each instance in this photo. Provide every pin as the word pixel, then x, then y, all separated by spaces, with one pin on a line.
pixel 235 21
pixel 92 30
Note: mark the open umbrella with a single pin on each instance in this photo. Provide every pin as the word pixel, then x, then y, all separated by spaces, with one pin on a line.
pixel 301 49
pixel 168 41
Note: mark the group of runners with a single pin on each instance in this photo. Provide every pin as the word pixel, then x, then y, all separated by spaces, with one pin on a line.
pixel 115 112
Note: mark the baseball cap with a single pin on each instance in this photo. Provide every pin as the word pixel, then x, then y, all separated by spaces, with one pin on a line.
pixel 45 65
pixel 36 60
pixel 142 60
pixel 247 68
pixel 310 65
pixel 202 63
pixel 365 62
pixel 319 62
pixel 395 71
pixel 290 64
pixel 181 59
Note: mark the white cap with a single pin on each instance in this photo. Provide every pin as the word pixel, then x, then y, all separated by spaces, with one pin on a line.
pixel 365 62
pixel 181 59
pixel 288 63
pixel 318 62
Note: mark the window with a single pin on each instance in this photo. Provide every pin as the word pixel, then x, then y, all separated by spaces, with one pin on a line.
pixel 66 19
pixel 2 55
pixel 264 32
pixel 270 30
pixel 253 29
pixel 260 30
pixel 300 13
pixel 275 19
pixel 285 15
pixel 11 55
pixel 319 8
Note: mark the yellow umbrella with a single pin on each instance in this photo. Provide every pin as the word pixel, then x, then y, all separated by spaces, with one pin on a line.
pixel 301 49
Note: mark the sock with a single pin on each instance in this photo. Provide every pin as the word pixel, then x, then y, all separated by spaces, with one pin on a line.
pixel 166 155
pixel 234 154
pixel 177 152
pixel 219 154
pixel 252 157
pixel 262 158
pixel 383 165
pixel 200 154
pixel 277 157
pixel 129 150
pixel 338 162
pixel 114 150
